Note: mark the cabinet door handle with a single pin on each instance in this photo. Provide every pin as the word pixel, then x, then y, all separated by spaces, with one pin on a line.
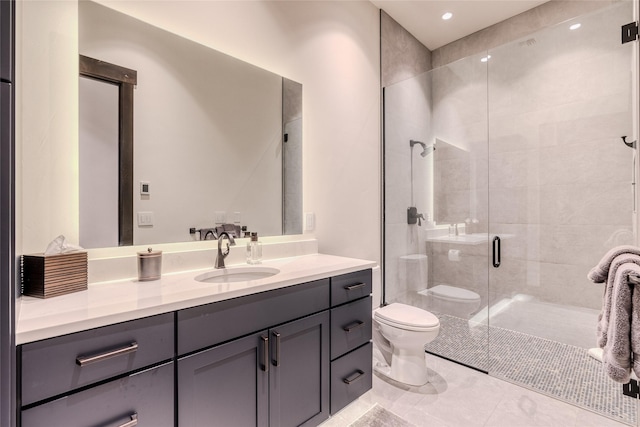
pixel 132 423
pixel 354 377
pixel 276 361
pixel 86 360
pixel 265 353
pixel 353 326
pixel 356 286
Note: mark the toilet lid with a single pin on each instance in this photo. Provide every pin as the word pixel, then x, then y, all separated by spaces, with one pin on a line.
pixel 452 292
pixel 407 316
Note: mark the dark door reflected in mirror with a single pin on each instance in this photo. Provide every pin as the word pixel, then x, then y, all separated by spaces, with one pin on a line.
pixel 106 153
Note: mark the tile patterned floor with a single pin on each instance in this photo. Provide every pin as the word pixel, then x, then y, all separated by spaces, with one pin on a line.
pixel 458 396
pixel 559 370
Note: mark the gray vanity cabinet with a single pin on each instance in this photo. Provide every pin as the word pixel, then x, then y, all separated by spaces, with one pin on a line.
pixel 299 372
pixel 281 358
pixel 277 377
pixel 143 399
pixel 226 385
pixel 258 360
pixel 116 375
pixel 351 348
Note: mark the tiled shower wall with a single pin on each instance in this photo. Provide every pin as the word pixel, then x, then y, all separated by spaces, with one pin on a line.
pixel 557 194
pixel 559 177
pixel 407 116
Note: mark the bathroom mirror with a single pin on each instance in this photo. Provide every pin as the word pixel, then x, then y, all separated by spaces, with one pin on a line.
pixel 452 181
pixel 215 139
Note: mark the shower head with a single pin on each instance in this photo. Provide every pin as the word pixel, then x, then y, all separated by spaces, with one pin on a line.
pixel 428 150
pixel 425 149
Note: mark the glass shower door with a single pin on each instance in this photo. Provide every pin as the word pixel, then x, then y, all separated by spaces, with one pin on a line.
pixel 457 245
pixel 560 196
pixel 435 204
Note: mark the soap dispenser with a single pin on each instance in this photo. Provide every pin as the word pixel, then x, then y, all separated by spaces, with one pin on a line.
pixel 254 250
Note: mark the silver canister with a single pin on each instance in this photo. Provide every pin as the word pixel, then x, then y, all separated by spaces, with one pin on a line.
pixel 149 265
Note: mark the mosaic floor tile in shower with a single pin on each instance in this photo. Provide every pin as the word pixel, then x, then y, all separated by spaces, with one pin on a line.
pixel 559 370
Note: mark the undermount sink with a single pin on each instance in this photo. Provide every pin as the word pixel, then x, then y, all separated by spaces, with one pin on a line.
pixel 237 274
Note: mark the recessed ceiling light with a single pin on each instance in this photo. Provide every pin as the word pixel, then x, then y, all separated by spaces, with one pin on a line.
pixel 575 26
pixel 447 16
pixel 485 58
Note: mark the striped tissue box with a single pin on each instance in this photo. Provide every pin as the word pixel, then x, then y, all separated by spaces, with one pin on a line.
pixel 45 276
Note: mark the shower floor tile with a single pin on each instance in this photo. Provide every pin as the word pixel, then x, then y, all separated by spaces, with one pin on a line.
pixel 559 370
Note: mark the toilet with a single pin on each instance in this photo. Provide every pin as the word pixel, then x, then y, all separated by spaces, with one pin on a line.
pixel 413 273
pixel 451 300
pixel 400 332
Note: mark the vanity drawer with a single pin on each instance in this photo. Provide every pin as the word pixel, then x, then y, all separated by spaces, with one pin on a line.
pixel 53 366
pixel 350 326
pixel 351 377
pixel 147 396
pixel 211 324
pixel 350 286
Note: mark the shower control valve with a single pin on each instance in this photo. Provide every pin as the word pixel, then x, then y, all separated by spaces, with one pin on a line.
pixel 413 216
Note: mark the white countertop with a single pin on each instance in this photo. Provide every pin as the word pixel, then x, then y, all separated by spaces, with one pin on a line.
pixel 118 301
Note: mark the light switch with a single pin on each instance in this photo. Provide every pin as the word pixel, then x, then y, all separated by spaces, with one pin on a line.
pixel 145 219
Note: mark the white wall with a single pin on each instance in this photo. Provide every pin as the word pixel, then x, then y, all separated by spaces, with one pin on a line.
pixel 46 123
pixel 332 48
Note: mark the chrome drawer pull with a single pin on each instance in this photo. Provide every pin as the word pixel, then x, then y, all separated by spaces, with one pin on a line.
pixel 265 352
pixel 355 325
pixel 132 423
pixel 354 377
pixel 86 360
pixel 356 286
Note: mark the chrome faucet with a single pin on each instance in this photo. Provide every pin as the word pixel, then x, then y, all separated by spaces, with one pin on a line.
pixel 222 255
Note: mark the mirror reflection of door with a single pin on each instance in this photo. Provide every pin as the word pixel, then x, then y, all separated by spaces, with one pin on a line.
pixel 106 153
pixel 98 153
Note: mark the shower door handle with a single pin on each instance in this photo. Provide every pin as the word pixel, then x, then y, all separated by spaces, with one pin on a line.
pixel 496 251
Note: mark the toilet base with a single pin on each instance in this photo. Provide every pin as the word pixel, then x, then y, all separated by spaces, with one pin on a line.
pixel 406 367
pixel 409 367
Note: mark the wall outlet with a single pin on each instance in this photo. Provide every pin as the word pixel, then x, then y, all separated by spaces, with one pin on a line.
pixel 145 219
pixel 309 221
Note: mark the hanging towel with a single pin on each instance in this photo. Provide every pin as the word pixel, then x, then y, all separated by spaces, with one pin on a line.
pixel 600 272
pixel 607 297
pixel 621 349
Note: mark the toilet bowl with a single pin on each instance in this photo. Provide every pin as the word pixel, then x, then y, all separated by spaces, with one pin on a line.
pixel 400 332
pixel 458 302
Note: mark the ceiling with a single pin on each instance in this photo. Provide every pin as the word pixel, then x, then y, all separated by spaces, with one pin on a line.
pixel 423 18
